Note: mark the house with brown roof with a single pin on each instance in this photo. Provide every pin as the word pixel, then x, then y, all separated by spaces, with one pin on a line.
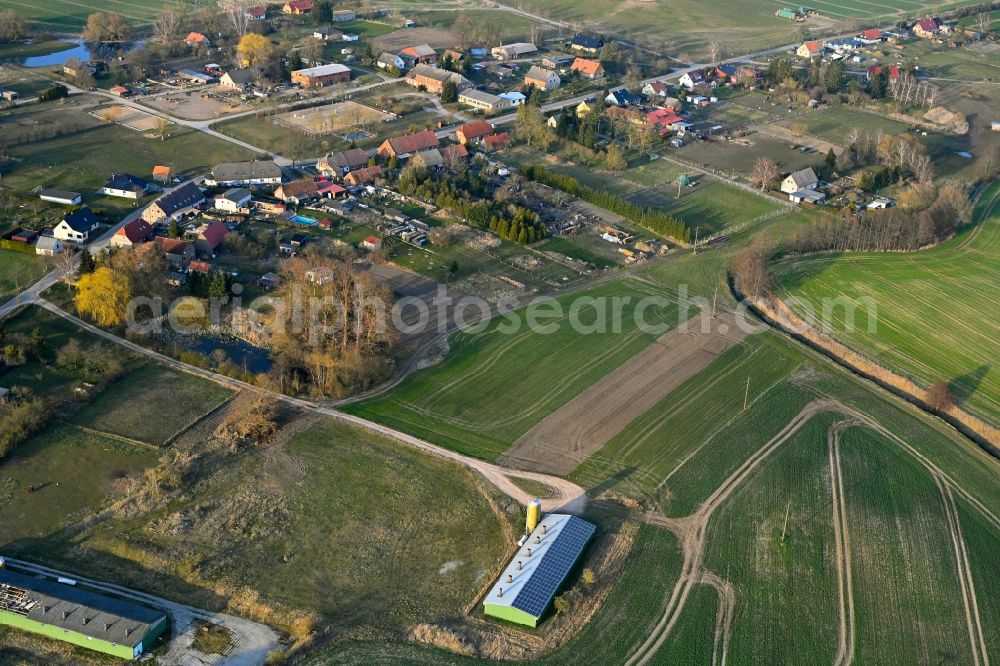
pixel 178 252
pixel 407 144
pixel 496 142
pixel 296 7
pixel 363 176
pixel 342 162
pixel 433 79
pixel 297 191
pixel 134 233
pixel 454 154
pixel 588 69
pixel 542 78
pixel 474 131
pixel 162 174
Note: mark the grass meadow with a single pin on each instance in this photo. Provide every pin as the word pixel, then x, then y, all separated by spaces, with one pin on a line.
pixel 17 271
pixel 74 473
pixel 931 323
pixel 133 406
pixel 493 387
pixel 622 622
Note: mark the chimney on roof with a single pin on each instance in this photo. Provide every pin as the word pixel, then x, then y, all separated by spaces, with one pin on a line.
pixel 500 592
pixel 106 626
pixel 538 539
pixel 519 565
pixel 86 619
pixel 65 614
pixel 529 552
pixel 510 578
pixel 544 529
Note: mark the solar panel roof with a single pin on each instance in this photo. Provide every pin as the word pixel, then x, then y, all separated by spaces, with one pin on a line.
pixel 541 565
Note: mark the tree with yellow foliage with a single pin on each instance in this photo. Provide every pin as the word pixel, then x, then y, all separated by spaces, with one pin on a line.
pixel 104 296
pixel 254 49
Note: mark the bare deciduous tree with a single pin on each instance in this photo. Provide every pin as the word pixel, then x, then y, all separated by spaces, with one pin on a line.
pixel 238 13
pixel 765 173
pixel 168 23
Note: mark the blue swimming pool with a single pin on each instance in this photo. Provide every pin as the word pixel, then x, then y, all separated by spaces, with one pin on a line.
pixel 301 219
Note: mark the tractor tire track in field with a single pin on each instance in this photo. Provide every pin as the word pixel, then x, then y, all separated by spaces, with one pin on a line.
pixel 977 642
pixel 692 531
pixel 723 617
pixel 845 590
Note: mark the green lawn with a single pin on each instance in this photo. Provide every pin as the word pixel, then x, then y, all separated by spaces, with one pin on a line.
pixel 74 473
pixel 495 385
pixel 133 406
pixel 17 271
pixel 929 320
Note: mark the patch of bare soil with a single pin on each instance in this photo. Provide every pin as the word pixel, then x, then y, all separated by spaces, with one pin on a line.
pixel 581 427
pixel 400 39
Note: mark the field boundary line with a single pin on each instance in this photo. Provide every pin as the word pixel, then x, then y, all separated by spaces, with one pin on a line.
pixel 119 438
pixel 225 401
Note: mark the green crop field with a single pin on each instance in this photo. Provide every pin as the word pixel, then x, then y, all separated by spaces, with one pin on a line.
pixel 899 533
pixel 494 385
pixel 772 540
pixel 71 15
pixel 642 458
pixel 928 321
pixel 133 406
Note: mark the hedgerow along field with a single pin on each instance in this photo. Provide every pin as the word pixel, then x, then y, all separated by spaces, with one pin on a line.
pixel 929 321
pixel 494 386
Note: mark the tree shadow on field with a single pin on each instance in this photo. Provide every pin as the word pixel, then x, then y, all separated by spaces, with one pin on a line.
pixel 612 481
pixel 964 386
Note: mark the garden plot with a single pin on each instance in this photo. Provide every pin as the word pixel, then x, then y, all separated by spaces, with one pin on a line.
pixel 334 118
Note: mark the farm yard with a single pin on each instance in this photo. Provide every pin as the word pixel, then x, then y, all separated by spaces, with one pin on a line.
pixel 928 322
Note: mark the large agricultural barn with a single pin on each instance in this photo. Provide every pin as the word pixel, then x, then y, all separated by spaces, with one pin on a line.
pixel 67 613
pixel 536 572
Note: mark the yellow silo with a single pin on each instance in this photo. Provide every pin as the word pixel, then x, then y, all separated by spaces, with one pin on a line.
pixel 534 515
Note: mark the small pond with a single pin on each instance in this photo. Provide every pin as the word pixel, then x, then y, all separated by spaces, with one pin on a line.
pixel 79 49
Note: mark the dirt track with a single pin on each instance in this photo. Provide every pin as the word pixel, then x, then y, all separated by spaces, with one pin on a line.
pixel 568 436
